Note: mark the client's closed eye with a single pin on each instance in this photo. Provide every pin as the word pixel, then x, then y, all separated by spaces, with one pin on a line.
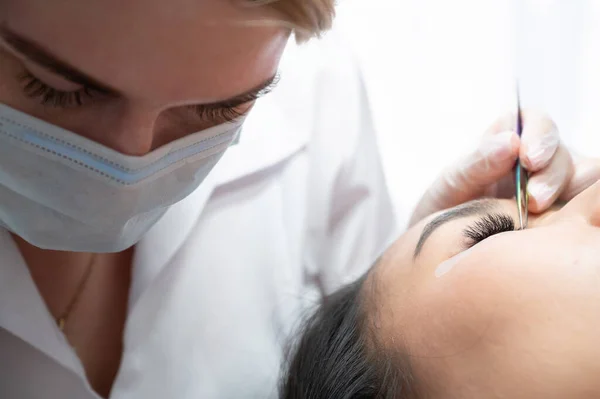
pixel 487 226
pixel 490 222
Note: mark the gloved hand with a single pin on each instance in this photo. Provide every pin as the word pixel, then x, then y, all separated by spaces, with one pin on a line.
pixel 488 171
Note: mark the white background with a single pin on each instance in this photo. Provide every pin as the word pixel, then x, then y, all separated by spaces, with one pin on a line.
pixel 440 71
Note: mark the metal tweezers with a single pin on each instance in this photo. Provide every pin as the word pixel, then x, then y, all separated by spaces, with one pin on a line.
pixel 521 176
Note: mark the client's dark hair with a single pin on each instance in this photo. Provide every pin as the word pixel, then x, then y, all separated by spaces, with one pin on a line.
pixel 339 357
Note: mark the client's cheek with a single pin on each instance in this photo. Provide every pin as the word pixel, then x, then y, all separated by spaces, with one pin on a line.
pixel 528 310
pixel 467 296
pixel 448 314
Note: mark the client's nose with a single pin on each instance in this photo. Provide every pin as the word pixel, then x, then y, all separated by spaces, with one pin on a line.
pixel 538 220
pixel 593 203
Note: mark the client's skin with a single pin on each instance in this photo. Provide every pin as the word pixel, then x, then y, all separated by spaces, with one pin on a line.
pixel 515 316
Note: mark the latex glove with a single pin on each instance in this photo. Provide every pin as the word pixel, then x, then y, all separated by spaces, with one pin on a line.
pixel 488 170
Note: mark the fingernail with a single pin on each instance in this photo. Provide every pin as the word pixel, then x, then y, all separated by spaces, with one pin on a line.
pixel 540 191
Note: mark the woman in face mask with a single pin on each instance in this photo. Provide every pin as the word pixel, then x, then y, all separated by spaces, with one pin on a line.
pixel 126 269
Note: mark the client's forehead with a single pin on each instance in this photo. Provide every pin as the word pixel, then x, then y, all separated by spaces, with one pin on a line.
pixel 405 286
pixel 408 265
pixel 512 320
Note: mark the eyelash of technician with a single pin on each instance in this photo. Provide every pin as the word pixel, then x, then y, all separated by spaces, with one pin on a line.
pixel 230 112
pixel 47 95
pixel 488 226
pixel 35 88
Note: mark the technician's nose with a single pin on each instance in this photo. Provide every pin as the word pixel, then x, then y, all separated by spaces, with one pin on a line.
pixel 126 129
pixel 132 132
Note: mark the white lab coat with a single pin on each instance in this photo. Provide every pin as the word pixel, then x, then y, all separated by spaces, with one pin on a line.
pixel 296 209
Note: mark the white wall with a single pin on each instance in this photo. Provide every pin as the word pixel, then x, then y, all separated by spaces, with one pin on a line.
pixel 440 71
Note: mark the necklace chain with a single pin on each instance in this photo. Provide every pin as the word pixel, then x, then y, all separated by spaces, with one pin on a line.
pixel 64 316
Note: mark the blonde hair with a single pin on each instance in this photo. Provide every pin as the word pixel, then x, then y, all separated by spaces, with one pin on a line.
pixel 306 18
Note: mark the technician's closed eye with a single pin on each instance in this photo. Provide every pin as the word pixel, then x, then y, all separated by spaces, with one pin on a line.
pixel 35 88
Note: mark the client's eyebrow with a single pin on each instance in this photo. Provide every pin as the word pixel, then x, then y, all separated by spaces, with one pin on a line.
pixel 477 207
pixel 46 59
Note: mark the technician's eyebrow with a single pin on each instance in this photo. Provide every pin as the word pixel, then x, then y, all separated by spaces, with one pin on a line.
pixel 44 58
pixel 477 207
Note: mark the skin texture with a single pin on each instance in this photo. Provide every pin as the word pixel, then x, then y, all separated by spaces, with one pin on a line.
pixel 160 57
pixel 515 316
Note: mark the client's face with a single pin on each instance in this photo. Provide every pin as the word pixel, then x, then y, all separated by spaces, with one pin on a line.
pixel 512 314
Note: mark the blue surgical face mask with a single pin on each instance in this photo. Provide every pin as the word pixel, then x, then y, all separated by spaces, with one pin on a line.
pixel 61 191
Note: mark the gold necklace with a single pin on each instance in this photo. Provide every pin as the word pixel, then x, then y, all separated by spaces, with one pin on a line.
pixel 62 319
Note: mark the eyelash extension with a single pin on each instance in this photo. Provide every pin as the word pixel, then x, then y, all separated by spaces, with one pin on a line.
pixel 488 226
pixel 35 88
